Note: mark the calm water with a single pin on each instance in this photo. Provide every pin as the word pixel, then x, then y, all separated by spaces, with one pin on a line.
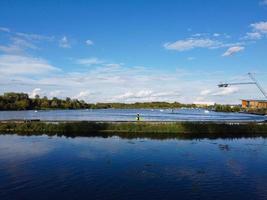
pixel 130 114
pixel 42 167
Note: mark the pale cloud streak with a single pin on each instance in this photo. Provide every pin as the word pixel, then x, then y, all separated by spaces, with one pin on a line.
pixel 24 65
pixel 253 36
pixel 19 43
pixel 226 91
pixel 64 42
pixel 191 43
pixel 260 27
pixel 233 50
pixel 4 29
pixel 263 2
pixel 30 36
pixel 89 61
pixel 17 46
pixel 145 95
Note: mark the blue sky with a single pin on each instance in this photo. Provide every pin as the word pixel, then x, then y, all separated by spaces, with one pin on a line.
pixel 131 51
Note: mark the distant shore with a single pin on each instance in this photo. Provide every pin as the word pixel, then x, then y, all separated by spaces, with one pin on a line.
pixel 157 130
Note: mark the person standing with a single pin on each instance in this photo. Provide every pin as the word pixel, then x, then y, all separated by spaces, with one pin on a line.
pixel 138 117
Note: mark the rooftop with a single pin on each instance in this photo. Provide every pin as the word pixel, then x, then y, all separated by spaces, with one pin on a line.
pixel 259 100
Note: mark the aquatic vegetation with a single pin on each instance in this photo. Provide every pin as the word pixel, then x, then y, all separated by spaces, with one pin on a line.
pixel 137 129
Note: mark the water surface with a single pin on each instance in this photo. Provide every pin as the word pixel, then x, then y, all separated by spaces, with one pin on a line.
pixel 130 114
pixel 42 167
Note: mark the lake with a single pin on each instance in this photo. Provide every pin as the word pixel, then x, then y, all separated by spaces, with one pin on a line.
pixel 42 167
pixel 130 114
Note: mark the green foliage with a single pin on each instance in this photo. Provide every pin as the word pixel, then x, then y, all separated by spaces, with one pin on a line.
pixel 187 130
pixel 226 108
pixel 21 101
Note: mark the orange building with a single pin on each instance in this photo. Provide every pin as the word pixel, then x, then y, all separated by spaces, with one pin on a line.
pixel 254 104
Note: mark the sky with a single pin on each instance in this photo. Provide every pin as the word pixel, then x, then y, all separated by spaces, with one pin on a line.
pixel 133 51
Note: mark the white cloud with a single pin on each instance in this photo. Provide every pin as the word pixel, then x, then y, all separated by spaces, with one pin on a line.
pixel 191 43
pixel 30 36
pixel 139 94
pixel 89 42
pixel 191 58
pixel 253 36
pixel 64 42
pixel 205 92
pixel 34 92
pixel 18 42
pixel 55 93
pixel 83 95
pixel 12 49
pixel 259 30
pixel 122 84
pixel 4 29
pixel 216 34
pixel 260 27
pixel 23 43
pixel 16 46
pixel 226 91
pixel 145 95
pixel 89 61
pixel 17 64
pixel 114 65
pixel 209 103
pixel 233 50
pixel 263 2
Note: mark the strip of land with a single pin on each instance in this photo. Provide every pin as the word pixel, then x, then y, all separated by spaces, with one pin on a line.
pixel 157 130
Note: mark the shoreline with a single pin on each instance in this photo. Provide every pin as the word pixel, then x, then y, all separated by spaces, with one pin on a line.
pixel 134 129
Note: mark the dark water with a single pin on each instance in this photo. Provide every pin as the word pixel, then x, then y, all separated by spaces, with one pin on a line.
pixel 130 115
pixel 42 167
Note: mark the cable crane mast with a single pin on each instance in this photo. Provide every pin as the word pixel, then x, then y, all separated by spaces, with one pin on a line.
pixel 254 82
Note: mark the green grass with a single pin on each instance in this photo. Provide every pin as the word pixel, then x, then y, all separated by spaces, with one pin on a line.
pixel 137 129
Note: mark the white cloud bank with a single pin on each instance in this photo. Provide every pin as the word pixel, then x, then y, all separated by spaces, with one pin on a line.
pixel 109 82
pixel 24 65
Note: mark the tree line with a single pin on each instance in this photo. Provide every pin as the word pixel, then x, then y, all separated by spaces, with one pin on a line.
pixel 22 101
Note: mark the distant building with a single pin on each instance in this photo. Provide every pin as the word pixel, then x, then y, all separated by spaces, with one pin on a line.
pixel 203 103
pixel 254 104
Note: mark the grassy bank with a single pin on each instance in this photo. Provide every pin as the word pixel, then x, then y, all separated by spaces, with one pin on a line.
pixel 137 130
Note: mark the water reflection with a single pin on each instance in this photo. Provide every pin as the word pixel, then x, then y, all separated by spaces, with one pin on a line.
pixel 115 168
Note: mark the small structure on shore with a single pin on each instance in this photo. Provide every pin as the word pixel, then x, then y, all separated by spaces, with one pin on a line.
pixel 250 103
pixel 254 104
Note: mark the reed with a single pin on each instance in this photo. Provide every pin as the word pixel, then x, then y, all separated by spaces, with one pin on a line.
pixel 137 129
